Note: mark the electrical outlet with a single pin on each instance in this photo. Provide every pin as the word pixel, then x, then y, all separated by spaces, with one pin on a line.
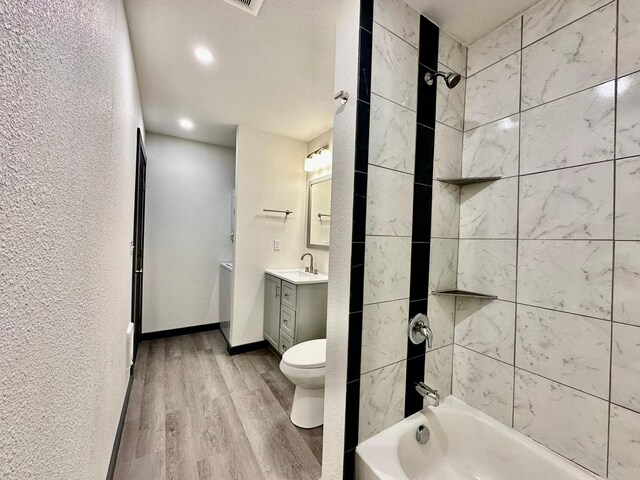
pixel 276 245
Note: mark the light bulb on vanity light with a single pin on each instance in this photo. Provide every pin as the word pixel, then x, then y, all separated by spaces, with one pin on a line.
pixel 186 123
pixel 308 165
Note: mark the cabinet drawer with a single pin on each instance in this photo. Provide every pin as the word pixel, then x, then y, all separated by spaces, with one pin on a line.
pixel 286 342
pixel 289 295
pixel 288 321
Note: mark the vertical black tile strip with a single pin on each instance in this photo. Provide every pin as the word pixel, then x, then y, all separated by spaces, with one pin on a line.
pixel 355 348
pixel 422 200
pixel 364 66
pixel 366 15
pixel 425 142
pixel 426 99
pixel 363 111
pixel 415 374
pixel 421 214
pixel 429 40
pixel 361 165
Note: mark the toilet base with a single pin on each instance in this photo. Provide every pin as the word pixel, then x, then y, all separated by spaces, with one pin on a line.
pixel 307 410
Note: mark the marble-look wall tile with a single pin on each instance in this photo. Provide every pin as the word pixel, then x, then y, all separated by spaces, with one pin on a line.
pixel 628 199
pixel 579 56
pixel 441 313
pixel 624 444
pixel 452 53
pixel 628 127
pixel 384 334
pixel 447 156
pixel 445 213
pixel 489 210
pixel 628 36
pixel 392 137
pixel 567 348
pixel 572 276
pixel 626 300
pixel 387 268
pixel 563 419
pixel 437 370
pixel 486 327
pixel 488 266
pixel 574 203
pixel 572 131
pixel 492 150
pixel 400 18
pixel 394 68
pixel 493 93
pixel 389 202
pixel 499 44
pixel 483 383
pixel 625 366
pixel 450 102
pixel 550 15
pixel 381 399
pixel 443 264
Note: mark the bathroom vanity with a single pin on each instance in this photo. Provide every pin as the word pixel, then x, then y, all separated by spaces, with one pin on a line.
pixel 295 307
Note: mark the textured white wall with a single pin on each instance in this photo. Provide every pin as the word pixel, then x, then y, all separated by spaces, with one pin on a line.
pixel 341 222
pixel 187 225
pixel 270 174
pixel 70 108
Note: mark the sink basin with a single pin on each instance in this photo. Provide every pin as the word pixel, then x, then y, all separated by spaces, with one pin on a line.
pixel 298 276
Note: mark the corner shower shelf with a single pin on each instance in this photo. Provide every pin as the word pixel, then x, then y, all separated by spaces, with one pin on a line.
pixel 464 293
pixel 467 180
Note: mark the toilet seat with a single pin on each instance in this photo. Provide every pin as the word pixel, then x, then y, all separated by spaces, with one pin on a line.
pixel 307 355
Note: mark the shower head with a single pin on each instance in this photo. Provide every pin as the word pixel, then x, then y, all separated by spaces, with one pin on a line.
pixel 450 78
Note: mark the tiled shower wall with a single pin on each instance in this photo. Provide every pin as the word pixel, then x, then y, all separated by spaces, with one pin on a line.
pixel 553 107
pixel 407 132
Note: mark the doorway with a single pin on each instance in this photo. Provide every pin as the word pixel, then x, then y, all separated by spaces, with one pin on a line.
pixel 138 243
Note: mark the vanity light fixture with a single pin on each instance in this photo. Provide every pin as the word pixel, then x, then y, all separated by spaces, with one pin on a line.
pixel 318 159
pixel 203 55
pixel 186 123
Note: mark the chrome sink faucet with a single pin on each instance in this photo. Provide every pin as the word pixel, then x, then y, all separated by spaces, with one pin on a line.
pixel 426 391
pixel 310 268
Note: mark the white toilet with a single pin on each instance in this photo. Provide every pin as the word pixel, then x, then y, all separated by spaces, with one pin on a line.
pixel 304 365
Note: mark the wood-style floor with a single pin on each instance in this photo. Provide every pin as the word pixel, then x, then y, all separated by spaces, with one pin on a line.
pixel 197 413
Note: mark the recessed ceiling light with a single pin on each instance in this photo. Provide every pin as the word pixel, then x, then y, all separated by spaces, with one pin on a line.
pixel 186 123
pixel 203 55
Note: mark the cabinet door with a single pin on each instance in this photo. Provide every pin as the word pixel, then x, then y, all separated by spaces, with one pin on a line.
pixel 272 292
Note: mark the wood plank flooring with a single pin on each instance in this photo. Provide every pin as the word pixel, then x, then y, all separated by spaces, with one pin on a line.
pixel 195 413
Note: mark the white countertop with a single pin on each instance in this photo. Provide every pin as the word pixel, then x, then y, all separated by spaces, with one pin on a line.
pixel 298 276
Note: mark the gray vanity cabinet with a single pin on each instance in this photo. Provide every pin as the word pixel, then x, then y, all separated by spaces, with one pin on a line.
pixel 293 313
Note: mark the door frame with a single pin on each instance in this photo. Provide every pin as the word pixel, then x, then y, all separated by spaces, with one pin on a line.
pixel 138 234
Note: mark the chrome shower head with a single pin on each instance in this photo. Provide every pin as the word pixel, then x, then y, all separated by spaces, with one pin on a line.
pixel 450 78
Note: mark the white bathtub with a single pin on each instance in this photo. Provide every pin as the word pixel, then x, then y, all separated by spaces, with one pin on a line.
pixel 465 444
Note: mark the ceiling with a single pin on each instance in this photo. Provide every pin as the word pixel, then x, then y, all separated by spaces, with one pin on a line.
pixel 470 20
pixel 274 72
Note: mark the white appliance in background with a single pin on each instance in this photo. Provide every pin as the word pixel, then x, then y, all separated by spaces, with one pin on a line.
pixel 226 294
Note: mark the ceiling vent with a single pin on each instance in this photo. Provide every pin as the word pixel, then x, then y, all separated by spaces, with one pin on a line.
pixel 249 6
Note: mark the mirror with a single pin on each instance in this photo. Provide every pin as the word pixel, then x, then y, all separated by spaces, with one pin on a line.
pixel 319 212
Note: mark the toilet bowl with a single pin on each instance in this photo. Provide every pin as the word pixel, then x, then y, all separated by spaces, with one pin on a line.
pixel 304 365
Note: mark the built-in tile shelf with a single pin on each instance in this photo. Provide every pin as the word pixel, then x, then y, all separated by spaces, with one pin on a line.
pixel 464 293
pixel 467 180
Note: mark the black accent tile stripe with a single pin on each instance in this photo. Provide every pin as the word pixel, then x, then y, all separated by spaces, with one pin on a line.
pixel 426 99
pixel 363 112
pixel 429 43
pixel 415 374
pixel 422 202
pixel 361 166
pixel 364 66
pixel 425 142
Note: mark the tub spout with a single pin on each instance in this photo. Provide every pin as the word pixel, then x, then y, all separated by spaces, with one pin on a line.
pixel 426 391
